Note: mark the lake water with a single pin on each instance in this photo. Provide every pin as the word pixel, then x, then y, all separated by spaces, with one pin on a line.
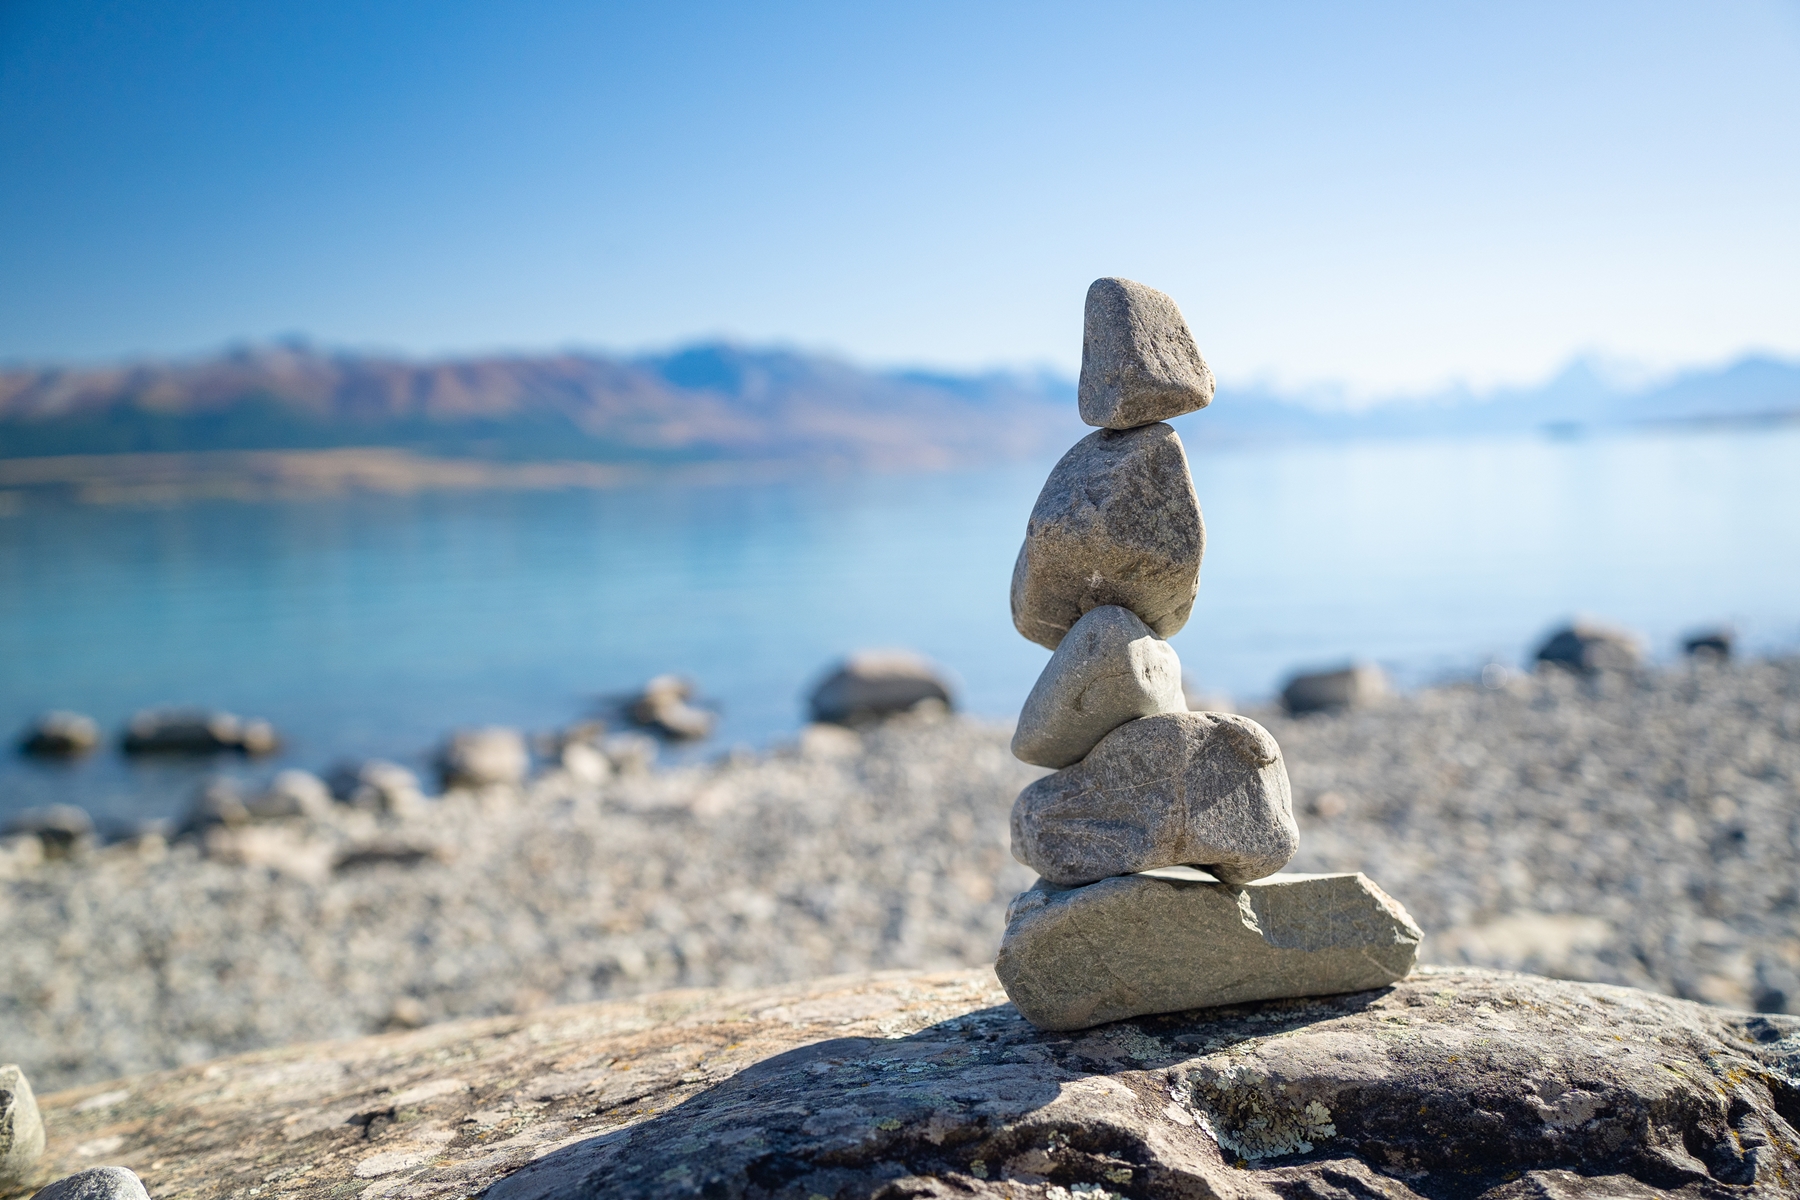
pixel 368 626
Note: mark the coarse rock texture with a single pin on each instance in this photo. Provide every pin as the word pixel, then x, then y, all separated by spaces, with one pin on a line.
pixel 21 1128
pixel 1116 523
pixel 1178 939
pixel 1108 669
pixel 1639 829
pixel 1138 360
pixel 1454 1083
pixel 1180 789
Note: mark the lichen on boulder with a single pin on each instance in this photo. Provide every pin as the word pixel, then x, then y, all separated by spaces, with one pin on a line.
pixel 1451 1083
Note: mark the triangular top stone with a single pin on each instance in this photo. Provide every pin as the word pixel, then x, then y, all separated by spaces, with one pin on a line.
pixel 1139 363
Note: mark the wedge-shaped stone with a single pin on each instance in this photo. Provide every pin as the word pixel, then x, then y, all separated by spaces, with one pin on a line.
pixel 1180 789
pixel 1138 361
pixel 1175 940
pixel 1109 669
pixel 1116 523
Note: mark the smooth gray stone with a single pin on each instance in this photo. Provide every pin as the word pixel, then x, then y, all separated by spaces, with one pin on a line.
pixel 1195 789
pixel 1178 939
pixel 1355 686
pixel 871 685
pixel 21 1128
pixel 1116 523
pixel 1109 669
pixel 1589 648
pixel 1138 360
pixel 98 1183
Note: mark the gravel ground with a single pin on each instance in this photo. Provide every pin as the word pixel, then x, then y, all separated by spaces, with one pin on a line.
pixel 1636 829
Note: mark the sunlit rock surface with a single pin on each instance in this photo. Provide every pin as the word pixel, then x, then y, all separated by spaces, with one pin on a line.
pixel 1453 1083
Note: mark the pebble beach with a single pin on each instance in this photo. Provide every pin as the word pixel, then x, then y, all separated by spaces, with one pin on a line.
pixel 1636 827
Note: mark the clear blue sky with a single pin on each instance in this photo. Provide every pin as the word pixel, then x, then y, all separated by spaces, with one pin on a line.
pixel 1386 195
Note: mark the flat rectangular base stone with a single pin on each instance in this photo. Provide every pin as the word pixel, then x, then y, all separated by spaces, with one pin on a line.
pixel 1176 938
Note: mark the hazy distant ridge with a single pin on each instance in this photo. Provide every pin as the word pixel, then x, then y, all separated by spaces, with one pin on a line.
pixel 723 403
pixel 703 403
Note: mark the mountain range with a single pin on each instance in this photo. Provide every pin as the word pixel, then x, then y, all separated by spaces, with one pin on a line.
pixel 720 403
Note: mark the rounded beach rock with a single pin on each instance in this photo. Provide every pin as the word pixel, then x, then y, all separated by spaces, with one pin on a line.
pixel 97 1183
pixel 1139 362
pixel 1180 789
pixel 1117 523
pixel 1109 669
pixel 874 684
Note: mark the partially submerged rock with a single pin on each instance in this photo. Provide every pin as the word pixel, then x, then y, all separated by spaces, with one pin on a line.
pixel 1108 669
pixel 665 707
pixel 1116 523
pixel 1194 789
pixel 1451 1083
pixel 195 731
pixel 1716 643
pixel 1138 360
pixel 1330 691
pixel 1179 939
pixel 60 735
pixel 479 757
pixel 1588 648
pixel 871 685
pixel 21 1130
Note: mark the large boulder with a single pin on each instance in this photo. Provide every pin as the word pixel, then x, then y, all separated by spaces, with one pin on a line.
pixel 1589 648
pixel 197 731
pixel 1108 669
pixel 1354 686
pixel 1118 523
pixel 60 735
pixel 874 684
pixel 1452 1083
pixel 1181 789
pixel 1138 361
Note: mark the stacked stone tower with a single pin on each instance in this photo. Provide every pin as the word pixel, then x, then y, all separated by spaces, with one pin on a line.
pixel 1159 835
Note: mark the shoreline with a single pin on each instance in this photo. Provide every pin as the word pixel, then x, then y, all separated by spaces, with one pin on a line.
pixel 1632 829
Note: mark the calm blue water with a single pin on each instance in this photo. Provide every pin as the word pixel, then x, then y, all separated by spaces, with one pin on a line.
pixel 371 625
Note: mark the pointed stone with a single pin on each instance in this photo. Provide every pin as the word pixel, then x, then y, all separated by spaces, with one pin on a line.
pixel 1108 669
pixel 1116 523
pixel 1138 360
pixel 1196 789
pixel 1177 940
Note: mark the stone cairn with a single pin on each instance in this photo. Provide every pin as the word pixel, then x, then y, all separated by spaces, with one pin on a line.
pixel 1160 832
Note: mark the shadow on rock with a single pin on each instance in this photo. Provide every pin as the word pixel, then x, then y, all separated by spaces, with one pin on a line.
pixel 1448 1085
pixel 983 1098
